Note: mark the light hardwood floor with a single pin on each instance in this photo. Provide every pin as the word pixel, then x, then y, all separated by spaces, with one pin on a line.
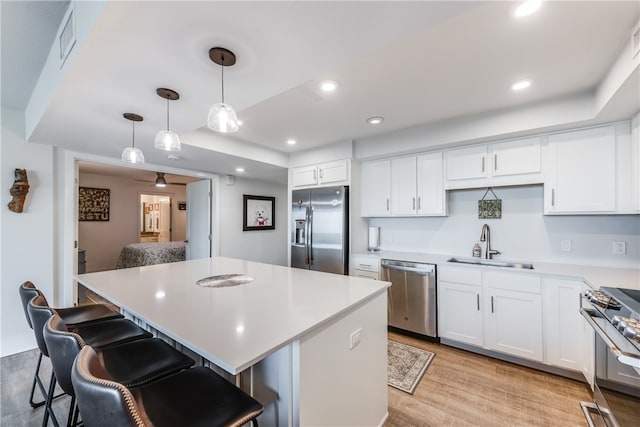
pixel 465 389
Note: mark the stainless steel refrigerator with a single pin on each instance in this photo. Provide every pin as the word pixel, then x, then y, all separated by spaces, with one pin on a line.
pixel 320 229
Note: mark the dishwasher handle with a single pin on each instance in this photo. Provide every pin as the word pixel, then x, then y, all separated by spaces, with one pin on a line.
pixel 422 269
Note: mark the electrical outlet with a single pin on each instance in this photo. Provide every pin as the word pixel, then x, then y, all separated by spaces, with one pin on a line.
pixel 619 248
pixel 565 245
pixel 355 338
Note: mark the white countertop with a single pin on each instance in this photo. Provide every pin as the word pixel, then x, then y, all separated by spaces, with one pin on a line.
pixel 234 327
pixel 593 276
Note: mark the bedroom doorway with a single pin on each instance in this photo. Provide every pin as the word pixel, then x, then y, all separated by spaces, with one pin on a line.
pixel 156 221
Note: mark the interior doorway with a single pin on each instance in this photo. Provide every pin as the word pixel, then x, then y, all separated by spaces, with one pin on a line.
pixel 156 220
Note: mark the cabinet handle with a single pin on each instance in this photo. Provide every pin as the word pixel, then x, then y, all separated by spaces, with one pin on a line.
pixel 482 164
pixel 495 162
pixel 321 174
pixel 414 203
pixel 315 175
pixel 478 301
pixel 419 207
pixel 553 197
pixel 387 203
pixel 492 303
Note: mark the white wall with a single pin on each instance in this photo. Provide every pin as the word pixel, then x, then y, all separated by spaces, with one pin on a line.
pixel 268 246
pixel 103 240
pixel 522 233
pixel 27 250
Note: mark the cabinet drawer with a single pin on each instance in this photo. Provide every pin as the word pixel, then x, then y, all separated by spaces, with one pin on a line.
pixel 512 281
pixel 365 273
pixel 365 263
pixel 471 276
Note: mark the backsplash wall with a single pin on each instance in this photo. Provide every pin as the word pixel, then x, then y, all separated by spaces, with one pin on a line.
pixel 523 232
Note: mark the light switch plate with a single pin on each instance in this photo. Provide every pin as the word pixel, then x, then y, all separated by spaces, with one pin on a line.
pixel 619 248
pixel 565 245
pixel 355 338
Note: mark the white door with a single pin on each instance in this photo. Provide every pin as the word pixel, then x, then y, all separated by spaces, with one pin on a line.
pixel 198 219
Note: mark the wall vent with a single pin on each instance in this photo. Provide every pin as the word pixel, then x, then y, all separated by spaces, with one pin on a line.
pixel 67 34
pixel 635 41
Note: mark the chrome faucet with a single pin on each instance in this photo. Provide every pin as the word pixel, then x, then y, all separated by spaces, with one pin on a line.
pixel 485 236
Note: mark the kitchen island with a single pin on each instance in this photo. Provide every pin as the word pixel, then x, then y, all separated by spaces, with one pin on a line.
pixel 288 337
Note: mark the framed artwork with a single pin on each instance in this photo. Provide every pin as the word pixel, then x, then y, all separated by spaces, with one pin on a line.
pixel 258 213
pixel 182 206
pixel 93 204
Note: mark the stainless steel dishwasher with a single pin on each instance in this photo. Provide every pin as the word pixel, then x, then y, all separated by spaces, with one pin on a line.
pixel 412 296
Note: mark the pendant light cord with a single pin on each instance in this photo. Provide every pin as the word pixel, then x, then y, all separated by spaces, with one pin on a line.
pixel 167 114
pixel 133 134
pixel 222 66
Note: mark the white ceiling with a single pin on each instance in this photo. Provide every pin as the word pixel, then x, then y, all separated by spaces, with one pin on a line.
pixel 412 62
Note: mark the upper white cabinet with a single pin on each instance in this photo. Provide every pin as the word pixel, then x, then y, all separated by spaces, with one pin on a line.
pixel 376 188
pixel 329 173
pixel 581 176
pixel 404 186
pixel 505 163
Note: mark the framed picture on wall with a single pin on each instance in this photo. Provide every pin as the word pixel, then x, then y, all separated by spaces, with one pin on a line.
pixel 182 206
pixel 258 213
pixel 93 204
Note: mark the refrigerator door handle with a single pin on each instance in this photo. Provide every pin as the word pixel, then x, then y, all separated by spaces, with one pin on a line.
pixel 306 232
pixel 310 235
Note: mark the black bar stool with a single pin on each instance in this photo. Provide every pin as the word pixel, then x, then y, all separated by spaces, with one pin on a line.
pixel 196 396
pixel 132 364
pixel 73 315
pixel 101 334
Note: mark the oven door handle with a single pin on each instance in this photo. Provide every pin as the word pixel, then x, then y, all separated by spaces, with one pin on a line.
pixel 628 359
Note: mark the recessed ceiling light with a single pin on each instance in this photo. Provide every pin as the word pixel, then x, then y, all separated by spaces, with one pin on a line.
pixel 375 120
pixel 522 84
pixel 240 170
pixel 527 8
pixel 328 86
pixel 292 141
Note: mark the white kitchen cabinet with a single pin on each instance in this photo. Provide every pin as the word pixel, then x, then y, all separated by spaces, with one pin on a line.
pixel 513 314
pixel 568 342
pixel 430 185
pixel 414 186
pixel 581 176
pixel 403 186
pixel 365 266
pixel 459 305
pixel 516 162
pixel 329 173
pixel 376 188
pixel 467 163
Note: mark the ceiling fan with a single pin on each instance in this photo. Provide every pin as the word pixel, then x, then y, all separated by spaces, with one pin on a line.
pixel 161 181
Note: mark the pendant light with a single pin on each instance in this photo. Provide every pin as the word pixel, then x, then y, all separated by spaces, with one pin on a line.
pixel 222 117
pixel 160 181
pixel 133 154
pixel 167 140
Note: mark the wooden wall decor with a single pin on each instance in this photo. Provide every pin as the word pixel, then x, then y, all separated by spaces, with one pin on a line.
pixel 93 204
pixel 19 191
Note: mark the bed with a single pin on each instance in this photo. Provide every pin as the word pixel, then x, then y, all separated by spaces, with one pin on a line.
pixel 138 254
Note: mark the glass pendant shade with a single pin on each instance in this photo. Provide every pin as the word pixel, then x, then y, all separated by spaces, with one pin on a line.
pixel 132 155
pixel 167 140
pixel 222 118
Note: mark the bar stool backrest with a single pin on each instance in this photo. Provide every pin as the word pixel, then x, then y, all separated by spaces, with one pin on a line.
pixel 101 401
pixel 39 312
pixel 63 347
pixel 27 291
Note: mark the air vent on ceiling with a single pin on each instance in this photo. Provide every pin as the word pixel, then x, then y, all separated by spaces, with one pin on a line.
pixel 67 34
pixel 635 41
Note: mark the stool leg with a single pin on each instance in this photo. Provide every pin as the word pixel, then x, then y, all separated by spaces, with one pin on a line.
pixel 48 410
pixel 38 381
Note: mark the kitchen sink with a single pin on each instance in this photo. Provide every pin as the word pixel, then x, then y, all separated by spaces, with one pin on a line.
pixel 491 262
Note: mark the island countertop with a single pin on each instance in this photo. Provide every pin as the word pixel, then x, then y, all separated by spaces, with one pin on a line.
pixel 233 327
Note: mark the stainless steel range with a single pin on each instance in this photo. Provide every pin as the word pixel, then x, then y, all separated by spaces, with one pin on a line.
pixel 614 314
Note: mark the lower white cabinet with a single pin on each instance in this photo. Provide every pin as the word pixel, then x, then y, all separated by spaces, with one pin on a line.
pixel 515 313
pixel 568 336
pixel 460 317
